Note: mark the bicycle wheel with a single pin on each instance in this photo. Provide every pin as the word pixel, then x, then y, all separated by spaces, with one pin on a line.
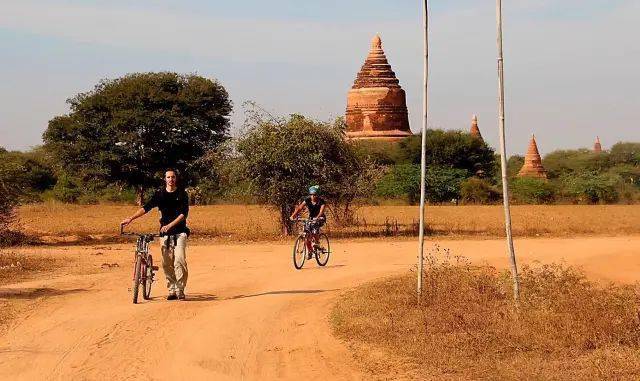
pixel 299 252
pixel 323 252
pixel 137 270
pixel 148 279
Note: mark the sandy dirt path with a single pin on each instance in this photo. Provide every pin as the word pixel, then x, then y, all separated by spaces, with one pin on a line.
pixel 249 315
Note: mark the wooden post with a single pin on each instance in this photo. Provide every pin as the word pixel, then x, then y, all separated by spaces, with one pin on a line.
pixel 423 162
pixel 503 157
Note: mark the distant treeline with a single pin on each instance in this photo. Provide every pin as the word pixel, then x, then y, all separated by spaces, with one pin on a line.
pixel 119 137
pixel 460 169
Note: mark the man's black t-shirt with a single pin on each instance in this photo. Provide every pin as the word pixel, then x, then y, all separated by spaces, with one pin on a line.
pixel 314 209
pixel 171 205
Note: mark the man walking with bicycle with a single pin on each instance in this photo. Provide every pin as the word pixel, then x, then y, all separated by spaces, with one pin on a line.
pixel 173 204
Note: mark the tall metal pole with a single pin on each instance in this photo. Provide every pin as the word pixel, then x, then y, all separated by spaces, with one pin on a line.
pixel 423 162
pixel 503 157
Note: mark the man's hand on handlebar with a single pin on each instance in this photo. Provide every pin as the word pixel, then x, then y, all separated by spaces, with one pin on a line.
pixel 165 229
pixel 126 222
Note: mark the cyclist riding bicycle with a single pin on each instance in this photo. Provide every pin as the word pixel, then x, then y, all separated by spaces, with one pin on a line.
pixel 315 206
pixel 173 204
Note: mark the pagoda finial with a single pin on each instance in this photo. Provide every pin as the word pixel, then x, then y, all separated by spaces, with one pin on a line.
pixel 376 42
pixel 597 147
pixel 475 130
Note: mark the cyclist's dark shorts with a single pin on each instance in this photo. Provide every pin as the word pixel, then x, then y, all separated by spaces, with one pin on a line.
pixel 314 227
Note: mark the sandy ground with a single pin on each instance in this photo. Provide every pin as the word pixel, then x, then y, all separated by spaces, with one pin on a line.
pixel 249 315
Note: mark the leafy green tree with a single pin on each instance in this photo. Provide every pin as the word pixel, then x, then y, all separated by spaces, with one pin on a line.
pixel 282 157
pixel 625 153
pixel 528 190
pixel 9 195
pixel 128 130
pixel 562 162
pixel 592 188
pixel 32 172
pixel 479 191
pixel 379 152
pixel 514 164
pixel 452 149
pixel 403 180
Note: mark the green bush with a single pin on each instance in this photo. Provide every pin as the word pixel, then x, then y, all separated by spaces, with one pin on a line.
pixel 563 162
pixel 529 190
pixel 67 189
pixel 592 188
pixel 478 191
pixel 449 149
pixel 625 153
pixel 403 181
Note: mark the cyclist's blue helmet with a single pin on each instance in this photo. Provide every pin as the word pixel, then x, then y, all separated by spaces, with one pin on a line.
pixel 314 189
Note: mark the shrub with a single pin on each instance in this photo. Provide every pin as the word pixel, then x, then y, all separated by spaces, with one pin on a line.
pixel 625 153
pixel 562 162
pixel 529 190
pixel 403 181
pixel 450 149
pixel 67 189
pixel 478 191
pixel 592 188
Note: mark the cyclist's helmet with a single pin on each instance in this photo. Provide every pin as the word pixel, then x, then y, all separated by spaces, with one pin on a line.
pixel 314 189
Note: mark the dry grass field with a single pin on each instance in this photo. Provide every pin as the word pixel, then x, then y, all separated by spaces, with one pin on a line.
pixel 254 222
pixel 567 327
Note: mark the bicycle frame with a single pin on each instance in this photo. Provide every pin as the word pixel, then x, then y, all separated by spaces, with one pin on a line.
pixel 143 268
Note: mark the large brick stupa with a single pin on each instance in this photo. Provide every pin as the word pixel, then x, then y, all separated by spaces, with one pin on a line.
pixel 376 104
pixel 532 162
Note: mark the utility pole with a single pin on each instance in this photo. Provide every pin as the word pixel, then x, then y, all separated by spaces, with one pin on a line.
pixel 423 162
pixel 503 157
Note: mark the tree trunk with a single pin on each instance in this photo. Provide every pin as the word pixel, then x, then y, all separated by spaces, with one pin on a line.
pixel 139 195
pixel 284 220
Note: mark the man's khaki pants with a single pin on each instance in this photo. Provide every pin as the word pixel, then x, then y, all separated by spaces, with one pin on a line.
pixel 174 261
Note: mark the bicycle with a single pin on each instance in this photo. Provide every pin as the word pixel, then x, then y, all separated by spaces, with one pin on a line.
pixel 143 269
pixel 304 248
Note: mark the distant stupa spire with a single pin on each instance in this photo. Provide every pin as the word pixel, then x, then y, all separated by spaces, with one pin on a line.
pixel 597 147
pixel 532 162
pixel 475 130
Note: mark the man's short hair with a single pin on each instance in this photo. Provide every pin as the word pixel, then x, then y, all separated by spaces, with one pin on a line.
pixel 171 170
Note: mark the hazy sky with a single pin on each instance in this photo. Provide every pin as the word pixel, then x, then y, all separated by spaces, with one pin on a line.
pixel 572 66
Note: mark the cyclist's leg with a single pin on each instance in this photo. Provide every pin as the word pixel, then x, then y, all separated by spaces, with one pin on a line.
pixel 168 263
pixel 180 262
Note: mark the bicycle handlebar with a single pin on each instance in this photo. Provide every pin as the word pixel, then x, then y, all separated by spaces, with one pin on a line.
pixel 122 232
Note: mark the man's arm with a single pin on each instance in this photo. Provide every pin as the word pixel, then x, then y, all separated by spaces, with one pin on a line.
pixel 321 213
pixel 152 203
pixel 172 224
pixel 297 210
pixel 139 213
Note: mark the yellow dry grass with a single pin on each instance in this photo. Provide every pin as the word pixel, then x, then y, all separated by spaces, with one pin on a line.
pixel 466 327
pixel 255 222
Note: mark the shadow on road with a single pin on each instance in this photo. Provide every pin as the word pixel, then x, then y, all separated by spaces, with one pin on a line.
pixel 320 268
pixel 283 292
pixel 35 292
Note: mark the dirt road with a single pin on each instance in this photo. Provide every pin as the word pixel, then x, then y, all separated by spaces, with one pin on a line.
pixel 249 314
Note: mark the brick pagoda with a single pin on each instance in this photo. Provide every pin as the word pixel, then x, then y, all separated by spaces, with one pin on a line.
pixel 532 162
pixel 376 104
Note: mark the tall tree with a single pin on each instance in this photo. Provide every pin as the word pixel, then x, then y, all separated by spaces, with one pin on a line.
pixel 281 157
pixel 127 130
pixel 453 149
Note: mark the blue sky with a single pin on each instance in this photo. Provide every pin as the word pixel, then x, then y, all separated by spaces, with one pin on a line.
pixel 571 66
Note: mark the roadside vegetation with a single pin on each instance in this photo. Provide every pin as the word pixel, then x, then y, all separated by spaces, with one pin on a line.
pixel 57 222
pixel 466 326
